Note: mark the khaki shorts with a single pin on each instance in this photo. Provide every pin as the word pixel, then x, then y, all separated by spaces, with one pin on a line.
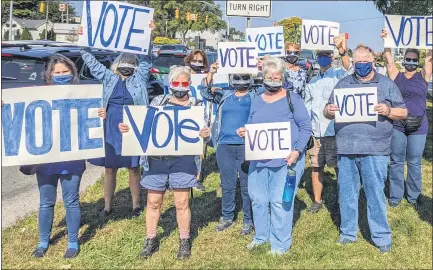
pixel 324 152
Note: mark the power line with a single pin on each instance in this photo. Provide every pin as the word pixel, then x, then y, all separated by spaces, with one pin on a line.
pixel 373 18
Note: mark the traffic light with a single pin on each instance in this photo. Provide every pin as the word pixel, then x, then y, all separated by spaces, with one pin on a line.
pixel 177 14
pixel 42 7
pixel 188 16
pixel 207 17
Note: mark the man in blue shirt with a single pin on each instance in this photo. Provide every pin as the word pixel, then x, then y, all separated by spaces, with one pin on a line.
pixel 317 95
pixel 363 150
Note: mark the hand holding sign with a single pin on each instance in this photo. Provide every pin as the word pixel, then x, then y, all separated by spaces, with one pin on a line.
pixel 241 132
pixel 382 109
pixel 331 109
pixel 204 132
pixel 102 113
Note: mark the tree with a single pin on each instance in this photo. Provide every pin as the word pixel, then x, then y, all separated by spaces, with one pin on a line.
pixel 42 35
pixel 235 32
pixel 26 34
pixel 292 29
pixel 350 52
pixel 17 35
pixel 51 35
pixel 404 7
pixel 6 35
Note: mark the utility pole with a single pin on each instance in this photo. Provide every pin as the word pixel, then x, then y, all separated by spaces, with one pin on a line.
pixel 46 22
pixel 11 7
pixel 67 12
pixel 228 29
pixel 248 22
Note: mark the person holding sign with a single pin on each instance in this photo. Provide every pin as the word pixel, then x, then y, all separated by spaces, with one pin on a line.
pixel 233 110
pixel 317 93
pixel 409 135
pixel 124 84
pixel 363 149
pixel 176 172
pixel 266 180
pixel 60 71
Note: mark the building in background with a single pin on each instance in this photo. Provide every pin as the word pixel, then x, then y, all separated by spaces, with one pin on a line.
pixel 66 32
pixel 211 39
pixel 35 27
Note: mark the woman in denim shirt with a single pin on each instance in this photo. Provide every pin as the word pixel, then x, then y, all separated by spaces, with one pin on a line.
pixel 125 83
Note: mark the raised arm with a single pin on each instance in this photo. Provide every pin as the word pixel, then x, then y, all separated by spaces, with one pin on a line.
pixel 427 71
pixel 341 45
pixel 391 68
pixel 207 91
pixel 98 70
pixel 145 62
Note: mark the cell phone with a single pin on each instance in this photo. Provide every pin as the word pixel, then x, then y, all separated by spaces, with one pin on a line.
pixel 346 35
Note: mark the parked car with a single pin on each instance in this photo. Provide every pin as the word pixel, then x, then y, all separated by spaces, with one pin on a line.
pixel 308 61
pixel 155 50
pixel 24 66
pixel 173 49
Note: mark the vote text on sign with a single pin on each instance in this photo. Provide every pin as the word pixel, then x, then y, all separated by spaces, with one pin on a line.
pixel 237 57
pixel 162 131
pixel 356 104
pixel 267 141
pixel 257 8
pixel 268 40
pixel 409 32
pixel 47 124
pixel 319 35
pixel 116 26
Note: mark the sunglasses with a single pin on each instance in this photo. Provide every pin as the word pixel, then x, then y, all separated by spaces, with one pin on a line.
pixel 292 52
pixel 182 84
pixel 243 77
pixel 411 60
pixel 197 61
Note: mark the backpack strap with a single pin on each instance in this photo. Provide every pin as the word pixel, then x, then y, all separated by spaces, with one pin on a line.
pixel 289 100
pixel 164 100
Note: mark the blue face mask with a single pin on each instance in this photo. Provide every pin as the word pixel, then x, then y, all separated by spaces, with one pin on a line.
pixel 324 61
pixel 363 69
pixel 62 79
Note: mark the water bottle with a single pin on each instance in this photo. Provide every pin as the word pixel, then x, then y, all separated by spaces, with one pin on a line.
pixel 289 187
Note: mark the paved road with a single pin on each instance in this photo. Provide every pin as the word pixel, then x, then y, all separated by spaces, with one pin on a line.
pixel 20 194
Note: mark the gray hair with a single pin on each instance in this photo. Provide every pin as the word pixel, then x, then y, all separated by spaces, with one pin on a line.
pixel 361 48
pixel 126 58
pixel 60 59
pixel 176 71
pixel 273 64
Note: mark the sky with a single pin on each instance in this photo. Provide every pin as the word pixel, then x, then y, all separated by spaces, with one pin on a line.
pixel 360 19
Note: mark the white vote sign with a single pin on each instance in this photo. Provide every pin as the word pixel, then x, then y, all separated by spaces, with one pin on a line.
pixel 269 40
pixel 237 57
pixel 162 131
pixel 116 26
pixel 45 124
pixel 267 141
pixel 356 104
pixel 409 31
pixel 319 35
pixel 249 8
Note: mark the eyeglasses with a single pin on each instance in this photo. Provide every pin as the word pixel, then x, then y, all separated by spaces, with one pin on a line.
pixel 292 52
pixel 411 59
pixel 272 80
pixel 182 84
pixel 241 77
pixel 197 61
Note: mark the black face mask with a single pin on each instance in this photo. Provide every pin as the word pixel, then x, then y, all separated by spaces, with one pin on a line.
pixel 197 69
pixel 410 67
pixel 180 94
pixel 292 59
pixel 126 71
pixel 272 87
pixel 241 86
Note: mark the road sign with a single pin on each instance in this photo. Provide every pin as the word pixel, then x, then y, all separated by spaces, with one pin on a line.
pixel 62 7
pixel 249 8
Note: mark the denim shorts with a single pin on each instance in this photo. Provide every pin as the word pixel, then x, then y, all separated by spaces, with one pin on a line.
pixel 170 173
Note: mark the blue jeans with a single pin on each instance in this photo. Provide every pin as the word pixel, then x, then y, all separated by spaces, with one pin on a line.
pixel 410 149
pixel 231 160
pixel 373 171
pixel 272 221
pixel 48 192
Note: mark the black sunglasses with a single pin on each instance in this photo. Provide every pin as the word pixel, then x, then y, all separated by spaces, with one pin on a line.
pixel 411 59
pixel 292 52
pixel 243 77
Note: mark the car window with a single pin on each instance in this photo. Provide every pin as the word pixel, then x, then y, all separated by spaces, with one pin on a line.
pixel 85 71
pixel 172 48
pixel 168 60
pixel 306 54
pixel 20 69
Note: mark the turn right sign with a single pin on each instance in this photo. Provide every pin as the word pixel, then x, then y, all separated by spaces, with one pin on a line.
pixel 249 8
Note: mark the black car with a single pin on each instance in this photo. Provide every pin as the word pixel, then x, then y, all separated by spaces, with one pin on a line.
pixel 23 65
pixel 308 61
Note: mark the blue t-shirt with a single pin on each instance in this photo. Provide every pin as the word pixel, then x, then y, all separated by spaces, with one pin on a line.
pixel 235 112
pixel 368 138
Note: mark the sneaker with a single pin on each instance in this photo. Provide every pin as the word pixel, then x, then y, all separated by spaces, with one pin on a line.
pixel 315 207
pixel 394 204
pixel 275 252
pixel 39 252
pixel 151 245
pixel 136 212
pixel 385 249
pixel 344 241
pixel 224 225
pixel 104 213
pixel 184 249
pixel 253 245
pixel 200 187
pixel 71 253
pixel 247 228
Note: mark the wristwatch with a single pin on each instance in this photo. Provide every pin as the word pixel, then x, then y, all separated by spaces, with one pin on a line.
pixel 342 54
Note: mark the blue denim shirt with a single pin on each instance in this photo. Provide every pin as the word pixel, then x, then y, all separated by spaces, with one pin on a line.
pixel 136 84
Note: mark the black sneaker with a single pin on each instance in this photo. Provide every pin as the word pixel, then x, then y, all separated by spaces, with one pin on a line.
pixel 247 228
pixel 151 245
pixel 39 252
pixel 136 212
pixel 315 207
pixel 200 187
pixel 184 249
pixel 224 225
pixel 71 253
pixel 394 204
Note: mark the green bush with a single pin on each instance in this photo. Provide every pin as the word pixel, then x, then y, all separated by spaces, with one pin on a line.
pixel 26 34
pixel 165 40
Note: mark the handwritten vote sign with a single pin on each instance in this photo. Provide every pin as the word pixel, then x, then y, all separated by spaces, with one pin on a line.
pixel 161 131
pixel 409 32
pixel 268 40
pixel 47 124
pixel 267 141
pixel 237 57
pixel 116 26
pixel 319 35
pixel 356 105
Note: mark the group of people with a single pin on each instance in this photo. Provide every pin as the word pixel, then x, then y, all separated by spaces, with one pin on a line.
pixel 358 151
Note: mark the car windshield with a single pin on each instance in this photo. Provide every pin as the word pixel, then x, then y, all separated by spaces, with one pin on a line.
pixel 168 60
pixel 20 69
pixel 305 54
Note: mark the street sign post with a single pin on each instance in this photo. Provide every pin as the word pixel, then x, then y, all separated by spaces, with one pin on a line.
pixel 249 8
pixel 62 7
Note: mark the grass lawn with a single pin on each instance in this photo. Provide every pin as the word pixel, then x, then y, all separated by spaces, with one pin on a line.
pixel 115 244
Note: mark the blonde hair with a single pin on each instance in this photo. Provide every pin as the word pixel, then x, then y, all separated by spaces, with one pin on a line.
pixel 176 71
pixel 273 64
pixel 363 48
pixel 124 58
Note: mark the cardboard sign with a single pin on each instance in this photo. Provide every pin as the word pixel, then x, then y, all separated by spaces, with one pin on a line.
pixel 237 57
pixel 409 32
pixel 256 8
pixel 116 26
pixel 269 40
pixel 162 131
pixel 356 104
pixel 46 124
pixel 267 141
pixel 319 35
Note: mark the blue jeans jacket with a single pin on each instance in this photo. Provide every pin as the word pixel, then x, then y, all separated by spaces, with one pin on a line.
pixel 136 84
